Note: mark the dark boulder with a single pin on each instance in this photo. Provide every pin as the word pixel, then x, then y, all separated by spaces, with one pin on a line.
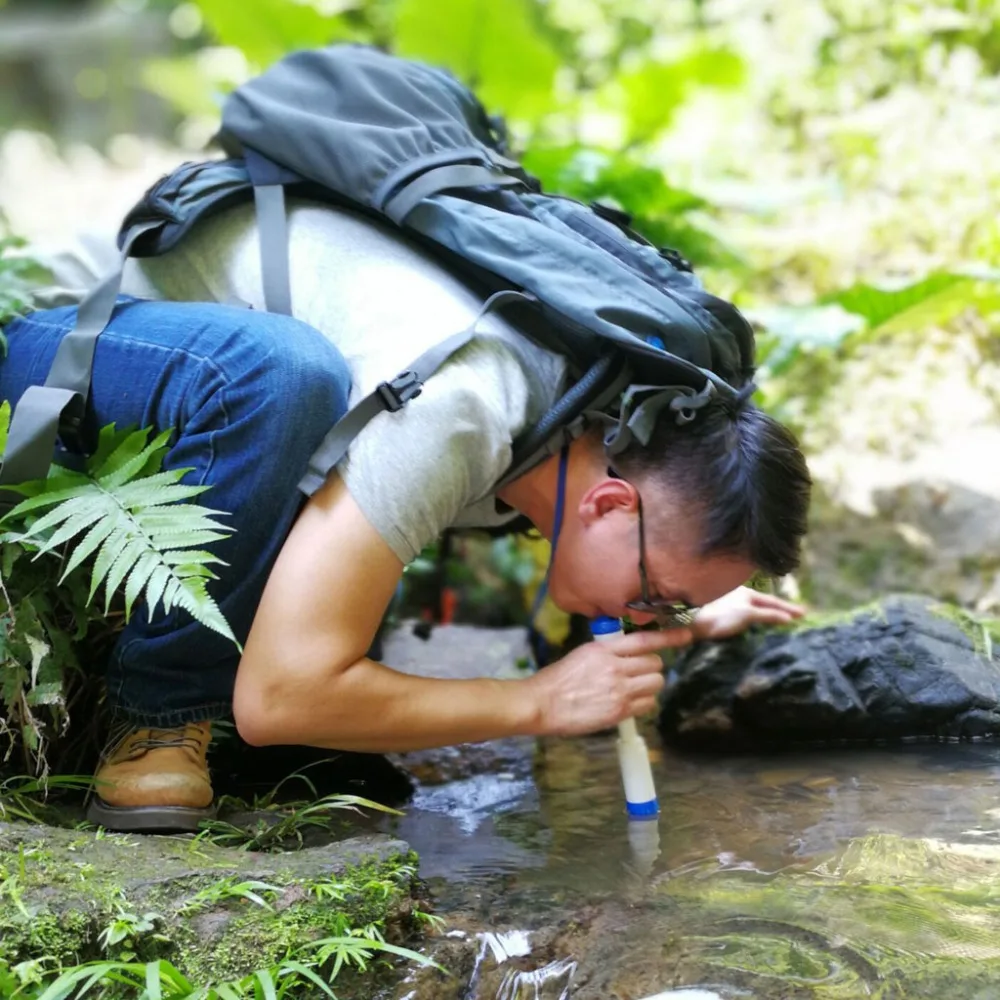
pixel 907 666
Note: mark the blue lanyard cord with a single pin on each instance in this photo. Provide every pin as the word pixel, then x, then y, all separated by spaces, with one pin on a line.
pixel 556 528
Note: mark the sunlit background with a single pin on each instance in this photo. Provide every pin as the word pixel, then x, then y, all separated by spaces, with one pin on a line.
pixel 830 165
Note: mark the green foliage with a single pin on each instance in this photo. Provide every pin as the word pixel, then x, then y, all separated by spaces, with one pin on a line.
pixel 496 46
pixel 310 967
pixel 805 345
pixel 118 523
pixel 933 300
pixel 22 796
pixel 19 275
pixel 265 30
pixel 123 933
pixel 297 976
pixel 127 510
pixel 230 888
pixel 664 214
pixel 285 824
pixel 655 91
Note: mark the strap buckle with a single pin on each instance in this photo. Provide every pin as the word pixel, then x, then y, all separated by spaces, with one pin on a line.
pixel 397 393
pixel 72 435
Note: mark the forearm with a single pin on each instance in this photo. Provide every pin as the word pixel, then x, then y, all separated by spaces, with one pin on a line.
pixel 371 708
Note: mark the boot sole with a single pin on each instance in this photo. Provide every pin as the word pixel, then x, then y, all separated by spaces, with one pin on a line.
pixel 148 819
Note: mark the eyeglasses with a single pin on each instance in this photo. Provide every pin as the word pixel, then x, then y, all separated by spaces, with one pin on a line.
pixel 667 614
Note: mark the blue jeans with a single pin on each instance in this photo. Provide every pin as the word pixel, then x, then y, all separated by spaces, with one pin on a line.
pixel 249 396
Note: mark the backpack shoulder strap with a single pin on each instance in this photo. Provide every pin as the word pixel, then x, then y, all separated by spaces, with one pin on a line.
pixel 45 413
pixel 55 411
pixel 393 395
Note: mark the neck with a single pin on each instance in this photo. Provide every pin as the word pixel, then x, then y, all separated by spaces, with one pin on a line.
pixel 534 493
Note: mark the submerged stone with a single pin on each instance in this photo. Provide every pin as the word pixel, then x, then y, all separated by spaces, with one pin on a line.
pixel 905 667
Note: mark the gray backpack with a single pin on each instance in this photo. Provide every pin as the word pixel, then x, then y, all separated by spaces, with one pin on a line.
pixel 408 144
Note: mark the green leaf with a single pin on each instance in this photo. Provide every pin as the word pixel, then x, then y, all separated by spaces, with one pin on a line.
pixel 88 544
pixel 47 493
pixel 138 577
pixel 184 83
pixel 653 93
pixel 129 557
pixel 19 277
pixel 129 459
pixel 265 30
pixel 264 978
pixel 496 47
pixel 4 424
pixel 299 968
pixel 113 546
pixel 933 300
pixel 141 531
pixel 154 989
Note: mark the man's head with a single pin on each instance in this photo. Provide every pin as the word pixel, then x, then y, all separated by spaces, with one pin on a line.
pixel 719 499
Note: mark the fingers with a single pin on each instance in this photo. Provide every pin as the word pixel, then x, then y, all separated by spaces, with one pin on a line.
pixel 773 616
pixel 637 643
pixel 646 686
pixel 637 666
pixel 645 706
pixel 759 600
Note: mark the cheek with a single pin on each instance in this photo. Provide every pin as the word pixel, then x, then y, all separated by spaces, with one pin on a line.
pixel 593 572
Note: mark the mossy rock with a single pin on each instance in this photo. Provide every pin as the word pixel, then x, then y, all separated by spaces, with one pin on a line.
pixel 61 889
pixel 906 666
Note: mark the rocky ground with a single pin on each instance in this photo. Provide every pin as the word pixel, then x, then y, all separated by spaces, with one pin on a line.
pixel 179 898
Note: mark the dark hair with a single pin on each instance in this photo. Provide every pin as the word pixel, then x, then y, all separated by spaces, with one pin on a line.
pixel 743 469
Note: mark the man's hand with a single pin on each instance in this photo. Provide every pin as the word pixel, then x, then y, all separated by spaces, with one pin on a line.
pixel 736 611
pixel 599 684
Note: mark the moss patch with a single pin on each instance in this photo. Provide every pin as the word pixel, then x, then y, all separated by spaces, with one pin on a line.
pixel 831 619
pixel 190 902
pixel 983 633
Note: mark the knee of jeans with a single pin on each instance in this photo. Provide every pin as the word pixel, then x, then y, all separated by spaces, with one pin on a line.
pixel 302 369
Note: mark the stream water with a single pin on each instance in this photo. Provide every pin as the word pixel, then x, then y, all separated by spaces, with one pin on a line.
pixel 831 874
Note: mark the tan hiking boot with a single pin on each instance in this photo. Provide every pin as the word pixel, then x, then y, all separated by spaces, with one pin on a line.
pixel 155 779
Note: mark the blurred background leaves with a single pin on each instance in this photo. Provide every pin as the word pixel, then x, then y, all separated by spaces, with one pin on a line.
pixel 829 165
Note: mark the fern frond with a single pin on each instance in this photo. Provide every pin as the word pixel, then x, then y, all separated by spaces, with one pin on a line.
pixel 108 553
pixel 129 459
pixel 142 532
pixel 86 547
pixel 127 559
pixel 138 580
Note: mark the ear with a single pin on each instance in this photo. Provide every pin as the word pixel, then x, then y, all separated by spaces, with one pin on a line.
pixel 606 496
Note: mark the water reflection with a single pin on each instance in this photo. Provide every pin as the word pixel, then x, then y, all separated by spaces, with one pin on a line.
pixel 844 873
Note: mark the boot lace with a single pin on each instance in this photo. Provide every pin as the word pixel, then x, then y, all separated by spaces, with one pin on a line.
pixel 154 740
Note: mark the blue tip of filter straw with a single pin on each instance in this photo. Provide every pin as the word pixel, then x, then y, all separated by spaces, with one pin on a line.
pixel 643 810
pixel 604 626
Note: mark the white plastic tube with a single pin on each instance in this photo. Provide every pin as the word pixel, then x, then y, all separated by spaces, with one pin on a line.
pixel 633 757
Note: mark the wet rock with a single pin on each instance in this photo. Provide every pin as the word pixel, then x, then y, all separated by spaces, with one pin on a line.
pixel 63 888
pixel 905 667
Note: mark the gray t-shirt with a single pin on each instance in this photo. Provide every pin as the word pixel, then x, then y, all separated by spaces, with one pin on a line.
pixel 382 302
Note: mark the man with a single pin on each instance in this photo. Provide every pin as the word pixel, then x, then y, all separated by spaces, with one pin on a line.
pixel 685 521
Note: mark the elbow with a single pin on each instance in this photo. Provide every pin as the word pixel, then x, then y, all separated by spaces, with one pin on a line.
pixel 256 720
pixel 255 728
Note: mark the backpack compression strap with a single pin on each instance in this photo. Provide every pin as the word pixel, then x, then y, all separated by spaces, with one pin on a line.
pixel 391 396
pixel 57 408
pixel 269 182
pixel 396 203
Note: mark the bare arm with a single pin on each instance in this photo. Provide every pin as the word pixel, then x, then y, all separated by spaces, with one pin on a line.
pixel 304 677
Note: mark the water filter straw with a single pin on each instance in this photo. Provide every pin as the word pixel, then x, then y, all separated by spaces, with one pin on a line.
pixel 633 757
